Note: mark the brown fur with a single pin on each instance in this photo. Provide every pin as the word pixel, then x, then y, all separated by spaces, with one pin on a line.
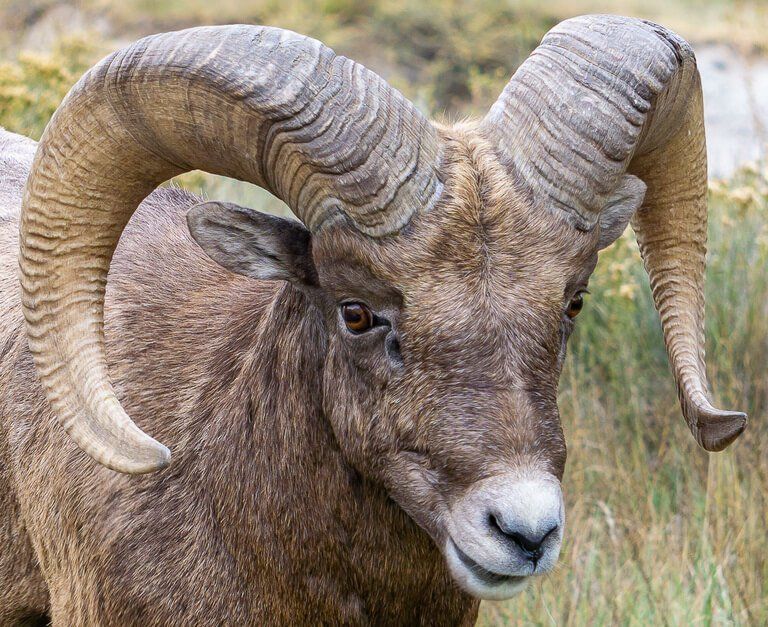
pixel 311 473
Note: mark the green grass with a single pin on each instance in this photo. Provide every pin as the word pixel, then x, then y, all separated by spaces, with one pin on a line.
pixel 658 531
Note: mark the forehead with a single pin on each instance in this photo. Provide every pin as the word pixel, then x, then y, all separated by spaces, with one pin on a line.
pixel 483 242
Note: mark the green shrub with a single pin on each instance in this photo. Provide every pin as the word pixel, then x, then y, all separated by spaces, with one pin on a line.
pixel 461 52
pixel 33 85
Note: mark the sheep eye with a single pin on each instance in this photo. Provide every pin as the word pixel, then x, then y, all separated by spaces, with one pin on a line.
pixel 357 317
pixel 575 306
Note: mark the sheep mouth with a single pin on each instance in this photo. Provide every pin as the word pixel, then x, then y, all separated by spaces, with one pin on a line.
pixel 482 574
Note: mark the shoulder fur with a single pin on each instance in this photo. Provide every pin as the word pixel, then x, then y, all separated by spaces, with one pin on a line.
pixel 16 154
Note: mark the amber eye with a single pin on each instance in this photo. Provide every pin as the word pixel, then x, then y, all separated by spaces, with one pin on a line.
pixel 576 305
pixel 357 317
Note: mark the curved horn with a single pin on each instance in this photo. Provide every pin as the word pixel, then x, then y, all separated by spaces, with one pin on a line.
pixel 606 95
pixel 263 105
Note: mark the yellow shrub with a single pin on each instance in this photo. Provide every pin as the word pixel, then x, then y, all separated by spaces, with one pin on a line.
pixel 32 86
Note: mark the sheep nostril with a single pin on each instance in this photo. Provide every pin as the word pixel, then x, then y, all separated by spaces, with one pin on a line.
pixel 529 544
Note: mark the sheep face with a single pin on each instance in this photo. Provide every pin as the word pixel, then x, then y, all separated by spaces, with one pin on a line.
pixel 444 349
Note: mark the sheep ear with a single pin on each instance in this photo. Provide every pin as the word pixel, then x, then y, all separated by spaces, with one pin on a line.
pixel 622 204
pixel 252 243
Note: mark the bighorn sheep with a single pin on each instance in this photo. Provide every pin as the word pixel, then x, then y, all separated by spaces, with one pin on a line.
pixel 362 412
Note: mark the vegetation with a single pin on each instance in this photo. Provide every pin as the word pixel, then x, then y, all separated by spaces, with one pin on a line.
pixel 659 532
pixel 33 86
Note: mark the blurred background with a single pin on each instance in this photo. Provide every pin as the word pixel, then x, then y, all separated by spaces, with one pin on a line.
pixel 658 532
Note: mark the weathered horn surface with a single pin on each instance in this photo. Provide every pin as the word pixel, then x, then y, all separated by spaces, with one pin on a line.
pixel 606 95
pixel 264 105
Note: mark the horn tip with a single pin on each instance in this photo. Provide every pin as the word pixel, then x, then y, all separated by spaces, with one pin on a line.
pixel 155 458
pixel 716 429
pixel 150 457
